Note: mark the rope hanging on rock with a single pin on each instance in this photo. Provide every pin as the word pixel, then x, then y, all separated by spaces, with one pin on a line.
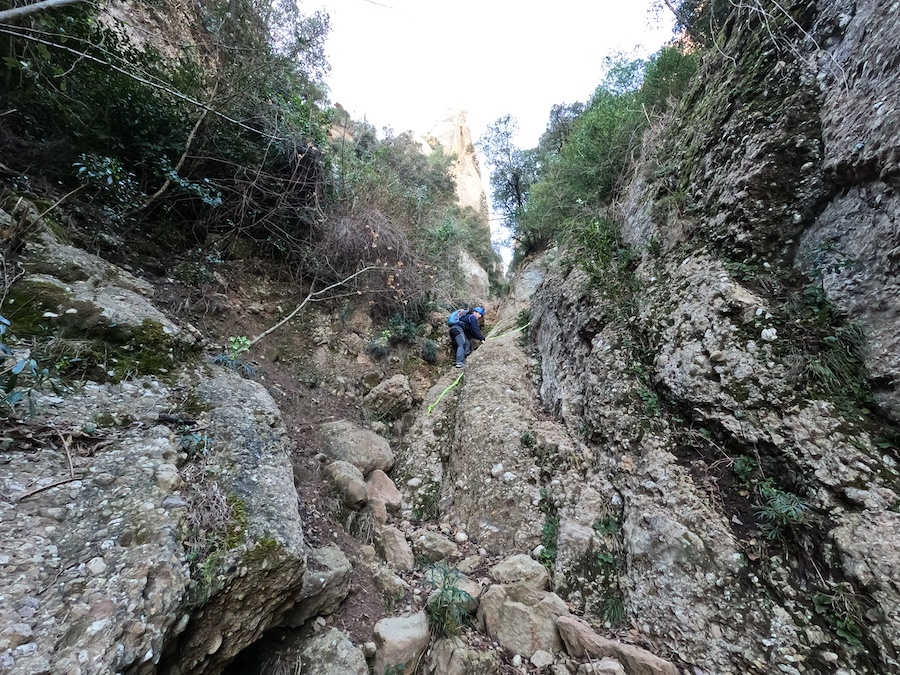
pixel 438 399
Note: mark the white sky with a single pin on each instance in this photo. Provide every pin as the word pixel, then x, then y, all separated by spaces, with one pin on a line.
pixel 405 63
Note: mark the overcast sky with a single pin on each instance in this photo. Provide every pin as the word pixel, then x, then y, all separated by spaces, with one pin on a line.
pixel 405 63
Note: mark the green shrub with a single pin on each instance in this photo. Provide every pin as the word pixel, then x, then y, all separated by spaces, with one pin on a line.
pixel 448 606
pixel 780 510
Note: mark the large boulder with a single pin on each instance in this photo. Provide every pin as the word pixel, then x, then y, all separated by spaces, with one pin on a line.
pixel 452 656
pixel 401 641
pixel 99 570
pixel 346 441
pixel 348 481
pixel 396 549
pixel 391 398
pixel 522 618
pixel 331 653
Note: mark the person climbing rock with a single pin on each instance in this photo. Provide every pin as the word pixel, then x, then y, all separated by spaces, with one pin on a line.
pixel 463 330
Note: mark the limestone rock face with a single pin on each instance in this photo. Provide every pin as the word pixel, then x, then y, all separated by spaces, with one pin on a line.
pixel 712 360
pixel 454 135
pixel 476 281
pixel 101 571
pixel 364 449
pixel 492 416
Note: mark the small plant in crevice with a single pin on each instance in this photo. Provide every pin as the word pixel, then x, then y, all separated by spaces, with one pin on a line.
pixel 781 510
pixel 607 525
pixel 231 356
pixel 743 467
pixel 448 606
pixel 429 351
pixel 614 610
pixel 550 530
pixel 650 400
pixel 843 613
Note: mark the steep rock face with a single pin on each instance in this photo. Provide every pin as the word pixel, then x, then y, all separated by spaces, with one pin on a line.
pixel 767 195
pixel 103 504
pixel 454 135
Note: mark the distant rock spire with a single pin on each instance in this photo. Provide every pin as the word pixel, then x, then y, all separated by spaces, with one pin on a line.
pixel 454 135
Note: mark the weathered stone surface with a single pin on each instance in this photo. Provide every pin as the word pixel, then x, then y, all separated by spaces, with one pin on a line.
pixel 100 571
pixel 401 641
pixel 451 656
pixel 326 583
pixel 521 618
pixel 391 398
pixel 254 583
pixel 432 546
pixel 331 653
pixel 351 443
pixel 582 641
pixel 605 666
pixel 348 481
pixel 380 488
pixel 396 549
pixel 541 659
pixel 492 416
pixel 521 569
pixel 868 542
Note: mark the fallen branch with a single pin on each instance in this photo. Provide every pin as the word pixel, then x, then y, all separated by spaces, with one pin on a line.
pixel 47 487
pixel 307 300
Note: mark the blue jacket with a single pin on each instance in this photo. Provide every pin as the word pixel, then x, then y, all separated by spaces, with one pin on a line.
pixel 470 325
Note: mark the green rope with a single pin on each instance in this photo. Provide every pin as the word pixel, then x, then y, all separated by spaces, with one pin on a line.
pixel 510 332
pixel 438 400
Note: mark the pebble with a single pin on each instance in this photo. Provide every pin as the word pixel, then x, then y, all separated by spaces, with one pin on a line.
pixel 97 566
pixel 461 537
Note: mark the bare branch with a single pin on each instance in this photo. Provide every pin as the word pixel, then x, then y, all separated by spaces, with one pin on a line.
pixel 306 301
pixel 142 80
pixel 8 15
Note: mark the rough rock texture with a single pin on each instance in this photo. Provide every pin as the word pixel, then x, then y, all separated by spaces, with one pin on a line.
pixel 255 583
pixel 522 618
pixel 391 398
pixel 451 656
pixel 96 578
pixel 581 641
pixel 331 653
pixel 492 415
pixel 325 585
pixel 696 397
pixel 400 642
pixel 364 449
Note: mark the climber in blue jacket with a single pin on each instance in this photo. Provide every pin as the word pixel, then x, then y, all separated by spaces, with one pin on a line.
pixel 464 332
